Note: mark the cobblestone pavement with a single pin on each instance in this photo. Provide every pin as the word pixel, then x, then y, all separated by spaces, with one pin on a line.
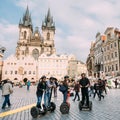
pixel 106 109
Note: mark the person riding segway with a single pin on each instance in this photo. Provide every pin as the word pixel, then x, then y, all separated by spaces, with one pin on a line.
pixel 84 84
pixel 50 84
pixel 65 106
pixel 39 108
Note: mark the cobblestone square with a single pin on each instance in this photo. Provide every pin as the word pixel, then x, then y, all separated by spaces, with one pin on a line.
pixel 106 109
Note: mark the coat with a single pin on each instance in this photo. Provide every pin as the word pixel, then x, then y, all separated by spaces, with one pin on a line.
pixel 7 89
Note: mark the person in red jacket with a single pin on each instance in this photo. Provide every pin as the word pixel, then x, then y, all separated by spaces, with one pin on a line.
pixel 77 90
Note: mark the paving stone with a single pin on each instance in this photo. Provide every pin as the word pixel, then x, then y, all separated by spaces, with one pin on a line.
pixel 106 109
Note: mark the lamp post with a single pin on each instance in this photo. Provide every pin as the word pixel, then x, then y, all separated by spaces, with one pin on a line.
pixel 2 50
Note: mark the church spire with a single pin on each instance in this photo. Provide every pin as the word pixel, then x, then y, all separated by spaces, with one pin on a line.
pixel 26 20
pixel 48 22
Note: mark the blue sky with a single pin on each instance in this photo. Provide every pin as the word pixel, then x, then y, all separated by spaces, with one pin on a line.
pixel 77 22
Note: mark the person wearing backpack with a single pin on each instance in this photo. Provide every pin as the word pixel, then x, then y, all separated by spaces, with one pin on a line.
pixel 64 88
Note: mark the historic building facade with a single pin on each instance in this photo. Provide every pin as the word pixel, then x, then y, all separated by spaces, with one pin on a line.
pixel 35 53
pixel 106 53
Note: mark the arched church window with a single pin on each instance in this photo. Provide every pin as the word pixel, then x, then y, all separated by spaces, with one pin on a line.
pixel 25 34
pixel 48 36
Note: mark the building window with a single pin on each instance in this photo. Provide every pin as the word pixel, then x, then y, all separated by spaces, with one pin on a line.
pixel 104 49
pixel 111 55
pixel 29 72
pixel 111 45
pixel 33 72
pixel 115 54
pixel 25 72
pixel 11 72
pixel 25 34
pixel 112 67
pixel 115 44
pixel 105 69
pixel 48 36
pixel 116 67
pixel 23 52
pixel 107 47
pixel 15 72
pixel 6 72
pixel 105 58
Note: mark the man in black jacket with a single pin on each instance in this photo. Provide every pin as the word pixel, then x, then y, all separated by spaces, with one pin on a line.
pixel 40 89
pixel 84 84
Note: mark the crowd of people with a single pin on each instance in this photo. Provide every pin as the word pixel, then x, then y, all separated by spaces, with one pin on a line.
pixel 45 88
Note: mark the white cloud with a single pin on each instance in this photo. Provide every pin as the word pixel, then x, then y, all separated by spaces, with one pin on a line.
pixel 8 37
pixel 77 21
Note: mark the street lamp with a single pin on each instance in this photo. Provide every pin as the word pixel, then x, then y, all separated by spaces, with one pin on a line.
pixel 2 50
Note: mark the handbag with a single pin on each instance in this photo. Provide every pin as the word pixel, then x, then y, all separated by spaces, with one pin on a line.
pixel 62 88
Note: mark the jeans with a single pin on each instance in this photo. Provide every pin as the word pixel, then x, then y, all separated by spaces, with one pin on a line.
pixel 6 101
pixel 65 96
pixel 28 87
pixel 39 99
pixel 77 94
pixel 47 98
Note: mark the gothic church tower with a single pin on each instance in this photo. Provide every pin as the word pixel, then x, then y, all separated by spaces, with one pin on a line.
pixel 31 42
pixel 48 32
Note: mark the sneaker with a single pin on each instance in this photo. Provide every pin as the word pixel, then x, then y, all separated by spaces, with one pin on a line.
pixel 73 99
pixel 78 100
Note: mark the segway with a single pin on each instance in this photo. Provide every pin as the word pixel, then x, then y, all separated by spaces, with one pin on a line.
pixel 81 107
pixel 38 110
pixel 52 106
pixel 65 106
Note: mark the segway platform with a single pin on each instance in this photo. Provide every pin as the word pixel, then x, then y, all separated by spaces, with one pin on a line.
pixel 84 107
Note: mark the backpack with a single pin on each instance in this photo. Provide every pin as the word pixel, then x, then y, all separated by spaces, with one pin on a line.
pixel 62 88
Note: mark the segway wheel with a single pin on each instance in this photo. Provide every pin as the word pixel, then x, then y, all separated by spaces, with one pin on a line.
pixel 90 105
pixel 52 107
pixel 64 108
pixel 34 112
pixel 80 105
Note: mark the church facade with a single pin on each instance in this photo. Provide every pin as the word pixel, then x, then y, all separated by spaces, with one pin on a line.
pixel 35 53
